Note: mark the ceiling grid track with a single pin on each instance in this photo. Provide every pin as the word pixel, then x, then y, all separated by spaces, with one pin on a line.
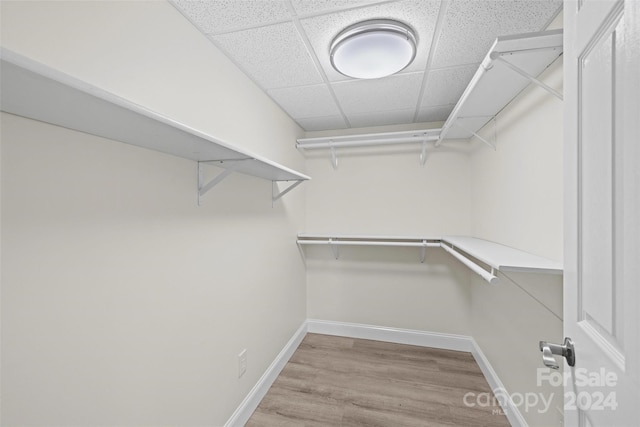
pixel 283 46
pixel 444 5
pixel 316 61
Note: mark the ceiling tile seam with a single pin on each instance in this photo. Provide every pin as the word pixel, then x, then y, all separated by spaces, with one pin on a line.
pixel 437 31
pixel 365 113
pixel 258 86
pixel 343 9
pixel 248 27
pixel 368 81
pixel 315 60
pixel 424 107
pixel 324 116
pixel 293 14
pixel 454 67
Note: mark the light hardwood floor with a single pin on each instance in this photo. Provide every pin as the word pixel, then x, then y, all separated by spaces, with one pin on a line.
pixel 336 381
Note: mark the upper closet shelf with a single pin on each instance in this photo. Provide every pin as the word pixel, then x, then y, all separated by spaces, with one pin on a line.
pixel 511 64
pixel 37 91
pixel 497 257
pixel 422 136
pixel 502 258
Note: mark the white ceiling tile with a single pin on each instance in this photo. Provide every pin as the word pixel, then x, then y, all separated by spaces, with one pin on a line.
pixel 434 114
pixel 274 56
pixel 471 26
pixel 381 118
pixel 322 123
pixel 306 101
pixel 421 15
pixel 308 7
pixel 226 15
pixel 445 86
pixel 397 92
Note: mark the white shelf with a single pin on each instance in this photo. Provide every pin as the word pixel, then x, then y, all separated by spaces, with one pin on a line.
pixel 369 139
pixel 422 136
pixel 503 258
pixel 497 257
pixel 335 241
pixel 363 238
pixel 37 91
pixel 496 83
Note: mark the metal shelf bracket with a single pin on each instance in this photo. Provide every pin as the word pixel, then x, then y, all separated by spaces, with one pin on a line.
pixel 492 145
pixel 276 193
pixel 204 188
pixel 497 56
pixel 423 152
pixel 335 249
pixel 334 157
pixel 423 251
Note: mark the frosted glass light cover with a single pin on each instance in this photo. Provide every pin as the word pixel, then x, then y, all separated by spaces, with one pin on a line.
pixel 373 49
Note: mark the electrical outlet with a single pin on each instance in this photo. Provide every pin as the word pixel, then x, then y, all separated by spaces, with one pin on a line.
pixel 242 363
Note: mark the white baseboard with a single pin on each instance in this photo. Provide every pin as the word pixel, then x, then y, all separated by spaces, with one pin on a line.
pixel 394 335
pixel 378 333
pixel 257 393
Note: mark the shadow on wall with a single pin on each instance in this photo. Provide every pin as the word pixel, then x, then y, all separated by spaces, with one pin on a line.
pixel 508 320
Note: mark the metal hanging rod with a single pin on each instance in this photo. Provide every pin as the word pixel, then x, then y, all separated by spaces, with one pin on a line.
pixel 368 243
pixel 371 140
pixel 400 242
pixel 486 275
pixel 337 143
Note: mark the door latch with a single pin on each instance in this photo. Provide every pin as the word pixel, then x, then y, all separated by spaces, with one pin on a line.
pixel 567 351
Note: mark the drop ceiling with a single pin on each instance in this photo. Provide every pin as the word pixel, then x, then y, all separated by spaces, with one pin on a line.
pixel 283 46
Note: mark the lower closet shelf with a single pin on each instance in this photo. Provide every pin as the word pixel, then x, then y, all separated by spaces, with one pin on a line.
pixel 466 249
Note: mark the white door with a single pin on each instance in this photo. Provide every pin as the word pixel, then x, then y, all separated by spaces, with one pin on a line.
pixel 602 211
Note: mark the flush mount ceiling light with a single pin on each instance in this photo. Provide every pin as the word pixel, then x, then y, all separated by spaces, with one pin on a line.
pixel 373 49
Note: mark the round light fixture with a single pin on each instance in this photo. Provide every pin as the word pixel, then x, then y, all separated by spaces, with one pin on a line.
pixel 373 49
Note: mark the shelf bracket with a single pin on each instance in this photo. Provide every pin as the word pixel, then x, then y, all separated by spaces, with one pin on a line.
pixel 335 249
pixel 423 153
pixel 476 135
pixel 334 157
pixel 276 194
pixel 204 188
pixel 423 251
pixel 497 56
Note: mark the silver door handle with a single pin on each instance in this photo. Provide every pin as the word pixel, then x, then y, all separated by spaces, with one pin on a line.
pixel 567 351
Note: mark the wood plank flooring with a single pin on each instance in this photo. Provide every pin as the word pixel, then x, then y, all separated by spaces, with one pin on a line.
pixel 337 381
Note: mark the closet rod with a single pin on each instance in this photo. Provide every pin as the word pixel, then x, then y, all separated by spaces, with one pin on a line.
pixel 367 243
pixel 366 142
pixel 489 277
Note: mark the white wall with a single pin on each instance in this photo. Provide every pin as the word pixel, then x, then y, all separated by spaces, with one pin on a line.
pixel 517 201
pixel 123 303
pixel 382 191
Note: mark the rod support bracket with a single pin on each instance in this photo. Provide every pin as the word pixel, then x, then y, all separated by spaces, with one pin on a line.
pixel 334 156
pixel 204 188
pixel 498 56
pixel 277 194
pixel 423 152
pixel 335 249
